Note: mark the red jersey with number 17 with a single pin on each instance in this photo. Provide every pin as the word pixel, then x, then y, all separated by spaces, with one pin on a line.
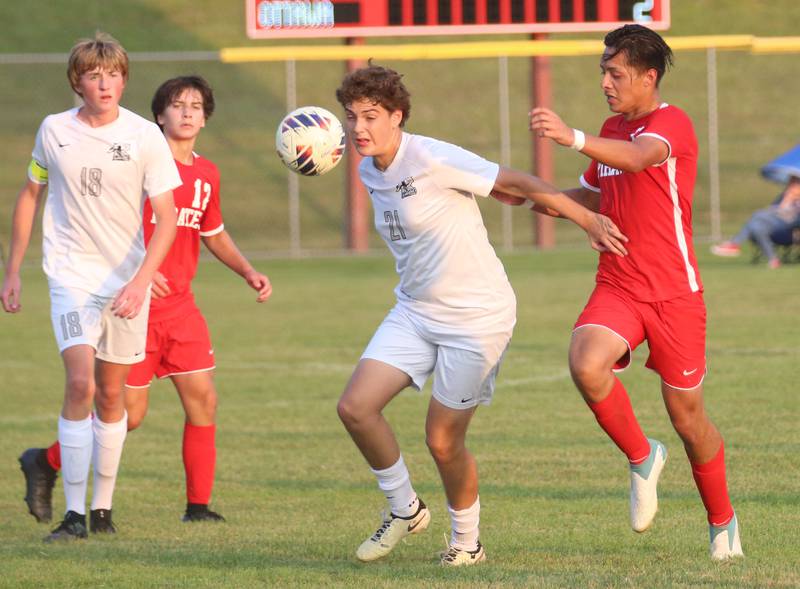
pixel 199 215
pixel 653 208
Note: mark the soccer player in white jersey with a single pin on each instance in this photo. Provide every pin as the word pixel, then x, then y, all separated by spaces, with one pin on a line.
pixel 98 161
pixel 455 308
pixel 178 341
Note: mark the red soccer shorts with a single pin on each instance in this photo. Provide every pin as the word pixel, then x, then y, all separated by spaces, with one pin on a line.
pixel 675 331
pixel 179 345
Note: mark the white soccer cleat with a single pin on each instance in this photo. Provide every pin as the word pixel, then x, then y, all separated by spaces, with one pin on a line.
pixel 644 483
pixel 725 542
pixel 393 529
pixel 458 557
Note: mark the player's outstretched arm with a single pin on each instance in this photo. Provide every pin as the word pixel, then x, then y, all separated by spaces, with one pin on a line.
pixel 582 196
pixel 603 234
pixel 21 228
pixel 129 299
pixel 224 249
pixel 630 156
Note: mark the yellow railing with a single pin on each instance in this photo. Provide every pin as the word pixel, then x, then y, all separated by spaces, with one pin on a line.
pixel 419 51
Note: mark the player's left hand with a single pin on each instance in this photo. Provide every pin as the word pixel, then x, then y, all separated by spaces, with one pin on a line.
pixel 605 236
pixel 545 123
pixel 129 300
pixel 260 283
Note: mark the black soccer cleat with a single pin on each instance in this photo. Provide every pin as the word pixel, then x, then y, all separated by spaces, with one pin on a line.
pixel 199 512
pixel 73 527
pixel 100 522
pixel 40 478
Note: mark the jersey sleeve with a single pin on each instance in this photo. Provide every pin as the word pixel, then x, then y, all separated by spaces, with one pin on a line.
pixel 455 167
pixel 589 178
pixel 212 217
pixel 160 172
pixel 37 169
pixel 672 126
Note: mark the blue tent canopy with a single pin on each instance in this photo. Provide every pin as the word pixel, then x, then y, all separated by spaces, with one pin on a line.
pixel 783 167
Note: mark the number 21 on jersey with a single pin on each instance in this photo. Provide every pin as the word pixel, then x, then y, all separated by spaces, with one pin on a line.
pixel 396 231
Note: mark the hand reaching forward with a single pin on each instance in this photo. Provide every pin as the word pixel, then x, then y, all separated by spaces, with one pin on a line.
pixel 605 236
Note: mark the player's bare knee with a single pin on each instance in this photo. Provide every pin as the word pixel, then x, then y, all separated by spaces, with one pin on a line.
pixel 443 448
pixel 351 415
pixel 80 389
pixel 135 419
pixel 588 372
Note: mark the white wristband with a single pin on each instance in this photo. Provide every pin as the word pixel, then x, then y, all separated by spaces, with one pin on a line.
pixel 579 142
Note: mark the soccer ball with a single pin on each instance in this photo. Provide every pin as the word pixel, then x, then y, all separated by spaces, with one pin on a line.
pixel 310 141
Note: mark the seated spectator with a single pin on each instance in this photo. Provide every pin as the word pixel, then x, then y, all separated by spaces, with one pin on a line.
pixel 765 225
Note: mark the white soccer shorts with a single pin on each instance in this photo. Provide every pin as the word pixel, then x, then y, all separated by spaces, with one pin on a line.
pixel 82 318
pixel 464 368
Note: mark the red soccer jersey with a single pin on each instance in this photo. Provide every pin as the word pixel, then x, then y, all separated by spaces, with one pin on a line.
pixel 653 208
pixel 199 215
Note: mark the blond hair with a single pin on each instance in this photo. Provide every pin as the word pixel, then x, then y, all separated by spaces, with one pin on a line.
pixel 103 51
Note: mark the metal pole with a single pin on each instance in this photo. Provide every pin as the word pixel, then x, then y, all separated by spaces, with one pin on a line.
pixel 544 226
pixel 713 145
pixel 505 144
pixel 293 185
pixel 357 209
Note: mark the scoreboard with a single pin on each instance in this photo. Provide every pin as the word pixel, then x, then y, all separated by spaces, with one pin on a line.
pixel 276 19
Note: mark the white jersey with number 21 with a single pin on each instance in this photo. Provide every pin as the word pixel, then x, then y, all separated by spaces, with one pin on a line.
pixel 426 212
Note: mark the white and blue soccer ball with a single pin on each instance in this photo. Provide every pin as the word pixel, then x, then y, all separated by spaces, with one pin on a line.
pixel 310 141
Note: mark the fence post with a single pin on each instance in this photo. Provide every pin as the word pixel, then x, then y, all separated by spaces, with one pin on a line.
pixel 293 187
pixel 713 145
pixel 505 145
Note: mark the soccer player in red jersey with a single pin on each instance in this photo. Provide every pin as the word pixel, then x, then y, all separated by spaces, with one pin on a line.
pixel 642 176
pixel 178 342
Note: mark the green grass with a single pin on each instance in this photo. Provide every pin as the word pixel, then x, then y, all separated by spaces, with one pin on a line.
pixel 299 498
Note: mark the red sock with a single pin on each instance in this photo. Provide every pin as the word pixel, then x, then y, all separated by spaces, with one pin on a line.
pixel 710 480
pixel 54 456
pixel 615 416
pixel 199 461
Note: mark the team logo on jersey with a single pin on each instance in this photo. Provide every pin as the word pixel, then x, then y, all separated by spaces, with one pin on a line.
pixel 406 188
pixel 120 152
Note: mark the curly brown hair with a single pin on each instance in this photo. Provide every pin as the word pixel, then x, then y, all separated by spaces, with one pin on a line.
pixel 378 84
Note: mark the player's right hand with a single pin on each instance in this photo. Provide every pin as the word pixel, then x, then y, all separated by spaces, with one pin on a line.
pixel 11 292
pixel 160 286
pixel 605 236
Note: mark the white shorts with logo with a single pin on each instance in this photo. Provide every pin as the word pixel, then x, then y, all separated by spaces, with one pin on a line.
pixel 82 318
pixel 464 364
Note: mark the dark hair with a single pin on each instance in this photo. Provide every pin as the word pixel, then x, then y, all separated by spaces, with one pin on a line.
pixel 644 48
pixel 172 88
pixel 378 84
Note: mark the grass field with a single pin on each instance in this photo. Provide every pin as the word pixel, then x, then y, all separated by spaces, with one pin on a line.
pixel 299 498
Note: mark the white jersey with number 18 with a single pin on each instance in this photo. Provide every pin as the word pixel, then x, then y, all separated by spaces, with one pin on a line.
pixel 98 178
pixel 426 212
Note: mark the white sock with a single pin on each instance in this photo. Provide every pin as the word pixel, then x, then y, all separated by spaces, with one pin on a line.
pixel 395 483
pixel 464 524
pixel 75 438
pixel 108 441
